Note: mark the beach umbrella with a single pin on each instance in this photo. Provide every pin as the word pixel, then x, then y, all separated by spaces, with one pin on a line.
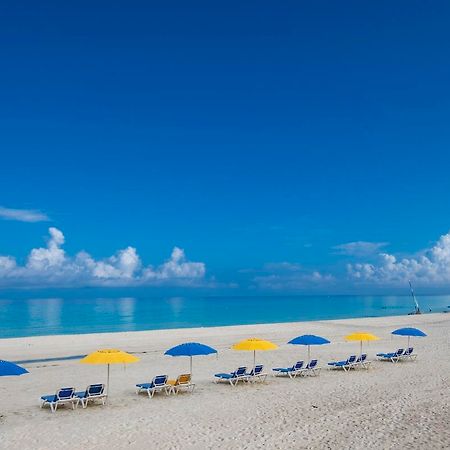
pixel 415 332
pixel 190 349
pixel 309 339
pixel 8 369
pixel 108 357
pixel 361 337
pixel 254 345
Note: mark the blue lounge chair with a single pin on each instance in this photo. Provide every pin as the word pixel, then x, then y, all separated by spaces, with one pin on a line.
pixel 63 396
pixel 93 392
pixel 408 353
pixel 233 377
pixel 362 362
pixel 256 374
pixel 292 372
pixel 310 369
pixel 393 357
pixel 345 365
pixel 158 384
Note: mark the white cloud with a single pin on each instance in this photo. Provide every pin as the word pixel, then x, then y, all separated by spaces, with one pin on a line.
pixel 50 265
pixel 430 267
pixel 359 248
pixel 176 267
pixel 50 256
pixel 23 215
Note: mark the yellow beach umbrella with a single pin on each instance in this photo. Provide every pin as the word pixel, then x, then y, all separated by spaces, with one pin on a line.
pixel 109 356
pixel 254 344
pixel 361 337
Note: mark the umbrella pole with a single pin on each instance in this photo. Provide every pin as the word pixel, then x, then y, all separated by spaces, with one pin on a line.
pixel 254 360
pixel 408 341
pixel 191 365
pixel 309 354
pixel 360 349
pixel 107 385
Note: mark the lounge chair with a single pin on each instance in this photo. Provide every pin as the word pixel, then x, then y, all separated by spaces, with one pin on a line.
pixel 345 365
pixel 408 353
pixel 393 357
pixel 362 362
pixel 292 372
pixel 182 382
pixel 310 369
pixel 158 384
pixel 233 377
pixel 256 374
pixel 93 392
pixel 63 396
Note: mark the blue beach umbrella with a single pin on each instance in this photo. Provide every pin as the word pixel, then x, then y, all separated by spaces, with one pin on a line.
pixel 10 369
pixel 415 332
pixel 309 339
pixel 190 349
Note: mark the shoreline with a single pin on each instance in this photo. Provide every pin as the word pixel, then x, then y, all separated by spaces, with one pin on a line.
pixel 207 331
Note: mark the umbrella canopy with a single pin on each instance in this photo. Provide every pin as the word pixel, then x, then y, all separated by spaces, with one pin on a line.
pixel 10 369
pixel 109 356
pixel 190 349
pixel 254 344
pixel 409 332
pixel 309 339
pixel 361 337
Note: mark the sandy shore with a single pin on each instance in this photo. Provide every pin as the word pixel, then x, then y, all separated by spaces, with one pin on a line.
pixel 405 405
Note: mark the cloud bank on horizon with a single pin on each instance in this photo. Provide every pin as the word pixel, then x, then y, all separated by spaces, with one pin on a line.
pixel 429 267
pixel 51 266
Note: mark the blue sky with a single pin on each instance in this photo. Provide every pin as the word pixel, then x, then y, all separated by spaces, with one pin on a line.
pixel 258 138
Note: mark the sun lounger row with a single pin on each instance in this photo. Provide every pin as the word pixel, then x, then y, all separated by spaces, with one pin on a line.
pixel 68 396
pixel 161 383
pixel 397 356
pixel 352 362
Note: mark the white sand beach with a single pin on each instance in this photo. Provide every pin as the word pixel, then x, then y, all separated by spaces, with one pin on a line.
pixel 404 405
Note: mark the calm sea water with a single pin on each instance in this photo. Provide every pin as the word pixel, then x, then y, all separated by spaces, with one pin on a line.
pixel 47 316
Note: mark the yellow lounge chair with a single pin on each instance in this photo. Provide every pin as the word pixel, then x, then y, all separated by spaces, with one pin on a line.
pixel 182 382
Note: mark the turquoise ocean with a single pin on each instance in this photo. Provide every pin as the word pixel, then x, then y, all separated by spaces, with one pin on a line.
pixel 54 315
